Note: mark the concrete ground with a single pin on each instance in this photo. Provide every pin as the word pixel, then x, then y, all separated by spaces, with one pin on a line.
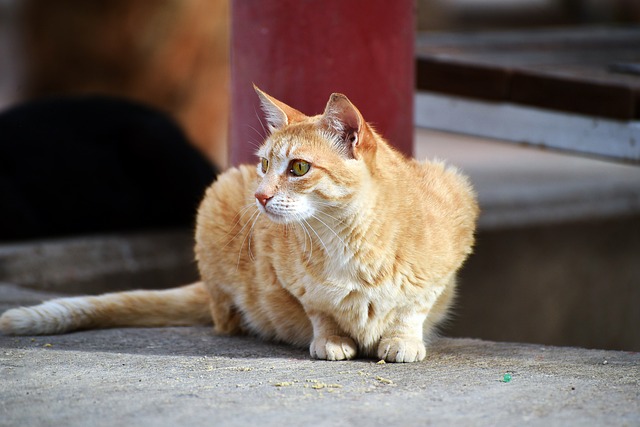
pixel 188 376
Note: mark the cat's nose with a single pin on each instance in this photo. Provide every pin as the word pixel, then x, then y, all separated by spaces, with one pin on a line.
pixel 263 198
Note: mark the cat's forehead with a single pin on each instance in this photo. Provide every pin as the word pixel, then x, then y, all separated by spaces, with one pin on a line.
pixel 280 146
pixel 287 145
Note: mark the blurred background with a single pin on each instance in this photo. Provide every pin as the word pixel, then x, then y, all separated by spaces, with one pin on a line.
pixel 537 100
pixel 173 54
pixel 465 15
pixel 170 54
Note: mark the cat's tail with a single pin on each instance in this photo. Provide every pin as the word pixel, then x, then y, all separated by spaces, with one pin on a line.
pixel 183 306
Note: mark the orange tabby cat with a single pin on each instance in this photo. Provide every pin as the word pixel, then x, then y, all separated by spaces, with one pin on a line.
pixel 335 241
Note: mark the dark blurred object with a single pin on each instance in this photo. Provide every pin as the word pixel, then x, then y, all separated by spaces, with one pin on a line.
pixel 78 165
pixel 474 15
pixel 567 69
pixel 170 54
pixel 626 68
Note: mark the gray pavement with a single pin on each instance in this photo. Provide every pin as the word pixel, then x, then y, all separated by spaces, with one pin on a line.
pixel 190 377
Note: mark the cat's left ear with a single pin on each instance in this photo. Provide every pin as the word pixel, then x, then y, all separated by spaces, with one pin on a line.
pixel 277 113
pixel 343 118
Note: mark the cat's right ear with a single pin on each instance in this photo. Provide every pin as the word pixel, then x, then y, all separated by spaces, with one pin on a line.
pixel 342 118
pixel 277 113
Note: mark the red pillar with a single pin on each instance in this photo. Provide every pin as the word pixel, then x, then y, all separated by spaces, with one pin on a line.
pixel 300 51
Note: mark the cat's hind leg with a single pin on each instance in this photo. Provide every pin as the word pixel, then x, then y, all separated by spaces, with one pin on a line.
pixel 227 319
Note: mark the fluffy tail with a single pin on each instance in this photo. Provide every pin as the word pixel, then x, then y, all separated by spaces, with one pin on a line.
pixel 183 306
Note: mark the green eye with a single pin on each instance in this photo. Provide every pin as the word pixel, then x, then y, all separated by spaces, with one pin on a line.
pixel 299 167
pixel 265 165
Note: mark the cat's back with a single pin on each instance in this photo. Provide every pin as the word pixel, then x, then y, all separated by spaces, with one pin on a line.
pixel 444 202
pixel 448 186
pixel 431 187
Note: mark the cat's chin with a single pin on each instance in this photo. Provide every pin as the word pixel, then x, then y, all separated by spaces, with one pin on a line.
pixel 284 219
pixel 278 218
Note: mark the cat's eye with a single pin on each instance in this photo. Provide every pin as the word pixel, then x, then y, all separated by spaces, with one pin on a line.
pixel 299 167
pixel 264 163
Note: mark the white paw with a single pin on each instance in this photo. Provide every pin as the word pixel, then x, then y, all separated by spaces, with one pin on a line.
pixel 401 350
pixel 333 348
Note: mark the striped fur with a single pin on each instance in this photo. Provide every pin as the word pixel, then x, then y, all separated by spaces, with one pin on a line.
pixel 356 256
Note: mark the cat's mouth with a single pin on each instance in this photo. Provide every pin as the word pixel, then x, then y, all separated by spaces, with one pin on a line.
pixel 278 218
pixel 274 216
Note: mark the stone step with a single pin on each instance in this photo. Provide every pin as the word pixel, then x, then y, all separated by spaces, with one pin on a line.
pixel 523 186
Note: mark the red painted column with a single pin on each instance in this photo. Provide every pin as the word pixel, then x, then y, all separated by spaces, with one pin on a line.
pixel 301 51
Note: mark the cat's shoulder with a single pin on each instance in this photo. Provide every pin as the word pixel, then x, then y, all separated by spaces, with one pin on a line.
pixel 232 187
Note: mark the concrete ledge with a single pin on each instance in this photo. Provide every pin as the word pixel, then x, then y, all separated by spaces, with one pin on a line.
pixel 523 186
pixel 188 376
pixel 616 139
pixel 95 264
pixel 571 284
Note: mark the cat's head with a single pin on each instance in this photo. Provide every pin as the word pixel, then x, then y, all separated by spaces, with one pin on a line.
pixel 309 165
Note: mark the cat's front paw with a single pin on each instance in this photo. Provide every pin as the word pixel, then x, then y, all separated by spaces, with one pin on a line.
pixel 401 350
pixel 333 348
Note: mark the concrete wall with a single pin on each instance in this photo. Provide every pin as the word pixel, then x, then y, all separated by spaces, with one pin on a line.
pixel 572 284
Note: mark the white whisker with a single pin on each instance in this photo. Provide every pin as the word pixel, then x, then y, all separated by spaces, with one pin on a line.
pixel 255 144
pixel 304 237
pixel 339 221
pixel 317 235
pixel 331 229
pixel 256 131
pixel 257 215
pixel 264 130
pixel 239 217
pixel 250 235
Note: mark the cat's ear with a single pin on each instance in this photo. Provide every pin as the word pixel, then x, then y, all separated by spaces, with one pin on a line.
pixel 277 113
pixel 343 118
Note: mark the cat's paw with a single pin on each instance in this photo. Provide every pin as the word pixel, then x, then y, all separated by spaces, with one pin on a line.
pixel 333 348
pixel 401 350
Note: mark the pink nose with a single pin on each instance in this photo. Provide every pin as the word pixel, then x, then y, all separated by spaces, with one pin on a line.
pixel 263 198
